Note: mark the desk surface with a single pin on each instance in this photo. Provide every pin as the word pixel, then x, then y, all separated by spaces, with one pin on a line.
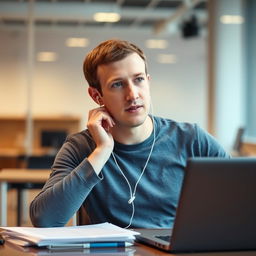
pixel 24 175
pixel 137 250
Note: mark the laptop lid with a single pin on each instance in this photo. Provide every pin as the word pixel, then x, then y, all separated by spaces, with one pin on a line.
pixel 217 207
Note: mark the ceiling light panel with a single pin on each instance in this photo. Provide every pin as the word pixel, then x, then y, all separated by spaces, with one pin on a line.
pixel 106 17
pixel 77 42
pixel 156 44
pixel 166 58
pixel 232 19
pixel 46 56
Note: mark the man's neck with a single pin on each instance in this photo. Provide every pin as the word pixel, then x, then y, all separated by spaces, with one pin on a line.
pixel 134 135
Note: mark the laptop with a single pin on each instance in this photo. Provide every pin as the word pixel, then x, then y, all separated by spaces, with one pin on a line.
pixel 216 210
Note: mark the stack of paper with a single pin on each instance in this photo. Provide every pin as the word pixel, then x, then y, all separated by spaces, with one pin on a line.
pixel 71 235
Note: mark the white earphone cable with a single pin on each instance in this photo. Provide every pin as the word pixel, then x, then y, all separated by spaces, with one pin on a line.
pixel 132 194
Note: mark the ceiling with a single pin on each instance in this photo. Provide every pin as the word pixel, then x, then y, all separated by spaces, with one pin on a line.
pixel 154 14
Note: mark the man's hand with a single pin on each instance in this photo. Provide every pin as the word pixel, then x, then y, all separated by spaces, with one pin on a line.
pixel 99 124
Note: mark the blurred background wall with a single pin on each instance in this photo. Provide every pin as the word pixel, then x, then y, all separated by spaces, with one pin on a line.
pixel 59 87
pixel 198 75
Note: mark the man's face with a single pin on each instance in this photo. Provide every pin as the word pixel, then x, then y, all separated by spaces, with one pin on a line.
pixel 125 90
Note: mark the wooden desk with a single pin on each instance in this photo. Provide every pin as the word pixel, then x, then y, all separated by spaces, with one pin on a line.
pixel 17 176
pixel 249 148
pixel 137 250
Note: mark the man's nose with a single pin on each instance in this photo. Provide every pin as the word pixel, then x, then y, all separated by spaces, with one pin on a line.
pixel 131 92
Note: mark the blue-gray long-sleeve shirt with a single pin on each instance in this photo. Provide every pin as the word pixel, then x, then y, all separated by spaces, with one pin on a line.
pixel 73 181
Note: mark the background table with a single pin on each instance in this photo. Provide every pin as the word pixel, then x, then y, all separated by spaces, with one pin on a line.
pixel 18 176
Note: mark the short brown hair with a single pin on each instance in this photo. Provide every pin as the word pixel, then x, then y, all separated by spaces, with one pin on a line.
pixel 107 52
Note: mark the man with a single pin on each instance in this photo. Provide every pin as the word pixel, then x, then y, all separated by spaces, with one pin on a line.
pixel 127 167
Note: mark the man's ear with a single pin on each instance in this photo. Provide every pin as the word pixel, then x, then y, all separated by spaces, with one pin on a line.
pixel 95 95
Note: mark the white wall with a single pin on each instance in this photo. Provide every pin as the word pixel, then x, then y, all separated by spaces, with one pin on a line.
pixel 179 91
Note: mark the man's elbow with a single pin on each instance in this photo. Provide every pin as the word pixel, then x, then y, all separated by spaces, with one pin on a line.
pixel 42 220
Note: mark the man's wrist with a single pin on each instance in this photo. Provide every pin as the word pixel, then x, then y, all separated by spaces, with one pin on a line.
pixel 99 157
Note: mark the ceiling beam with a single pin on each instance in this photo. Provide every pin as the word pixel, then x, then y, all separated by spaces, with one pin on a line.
pixel 83 11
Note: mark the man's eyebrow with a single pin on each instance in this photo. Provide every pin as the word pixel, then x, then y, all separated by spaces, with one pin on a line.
pixel 115 79
pixel 139 74
pixel 120 78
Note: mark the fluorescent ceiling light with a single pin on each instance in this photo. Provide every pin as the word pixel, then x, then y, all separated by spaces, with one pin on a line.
pixel 156 43
pixel 231 19
pixel 46 56
pixel 166 58
pixel 106 17
pixel 77 42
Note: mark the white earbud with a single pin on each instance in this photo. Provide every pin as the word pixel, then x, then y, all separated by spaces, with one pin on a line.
pixel 98 99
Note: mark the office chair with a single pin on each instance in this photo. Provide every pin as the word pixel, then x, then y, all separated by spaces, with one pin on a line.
pixel 82 217
pixel 238 143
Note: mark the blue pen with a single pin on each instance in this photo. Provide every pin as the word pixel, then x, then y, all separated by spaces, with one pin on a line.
pixel 89 245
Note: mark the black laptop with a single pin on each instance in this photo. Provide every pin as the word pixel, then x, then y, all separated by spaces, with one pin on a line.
pixel 216 211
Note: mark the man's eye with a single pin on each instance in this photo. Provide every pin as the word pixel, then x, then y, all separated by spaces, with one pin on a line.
pixel 116 84
pixel 139 79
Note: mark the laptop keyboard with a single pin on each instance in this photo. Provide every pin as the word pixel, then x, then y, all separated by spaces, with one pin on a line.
pixel 166 238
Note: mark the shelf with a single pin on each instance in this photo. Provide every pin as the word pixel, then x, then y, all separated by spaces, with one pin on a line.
pixel 13 130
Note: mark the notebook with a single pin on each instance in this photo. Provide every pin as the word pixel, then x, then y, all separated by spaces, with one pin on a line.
pixel 216 211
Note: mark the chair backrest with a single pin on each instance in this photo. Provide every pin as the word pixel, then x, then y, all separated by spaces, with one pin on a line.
pixel 53 138
pixel 82 217
pixel 238 143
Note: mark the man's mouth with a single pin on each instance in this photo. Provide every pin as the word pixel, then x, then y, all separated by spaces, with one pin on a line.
pixel 133 108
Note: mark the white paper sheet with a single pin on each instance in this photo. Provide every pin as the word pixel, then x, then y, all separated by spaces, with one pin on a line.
pixel 70 234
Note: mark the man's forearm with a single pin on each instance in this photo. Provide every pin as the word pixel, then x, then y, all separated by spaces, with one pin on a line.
pixel 61 197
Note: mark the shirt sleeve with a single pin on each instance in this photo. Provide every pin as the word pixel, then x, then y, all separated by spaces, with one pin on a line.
pixel 207 145
pixel 69 184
